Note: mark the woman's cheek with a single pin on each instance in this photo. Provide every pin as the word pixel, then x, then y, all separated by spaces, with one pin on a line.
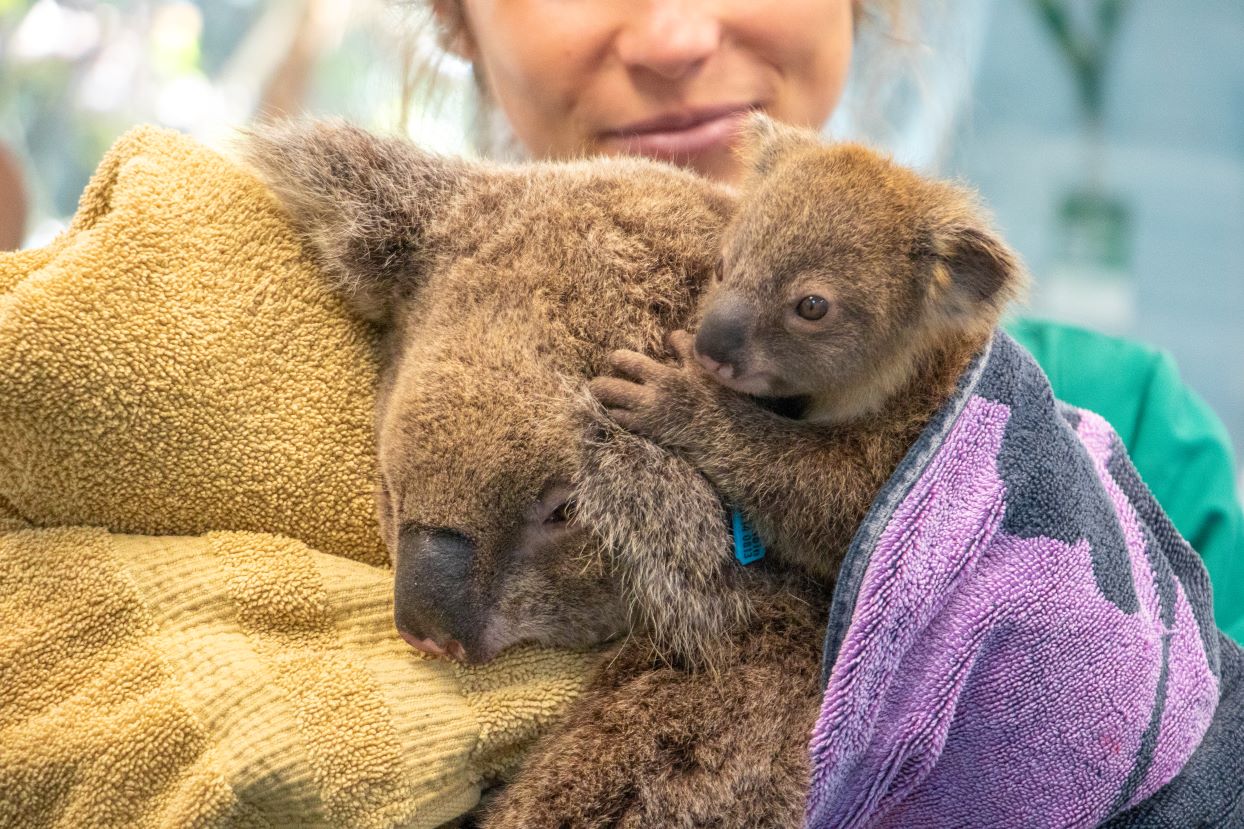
pixel 808 43
pixel 539 58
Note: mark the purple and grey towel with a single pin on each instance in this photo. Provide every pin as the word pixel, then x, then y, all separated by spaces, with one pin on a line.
pixel 1020 637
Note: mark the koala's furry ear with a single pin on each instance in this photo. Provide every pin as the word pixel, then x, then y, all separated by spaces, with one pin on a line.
pixel 764 142
pixel 361 202
pixel 975 273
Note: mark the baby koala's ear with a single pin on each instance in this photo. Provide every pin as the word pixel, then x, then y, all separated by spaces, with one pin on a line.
pixel 764 142
pixel 975 273
pixel 362 203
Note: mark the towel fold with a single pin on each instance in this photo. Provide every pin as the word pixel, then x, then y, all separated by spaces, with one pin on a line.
pixel 173 364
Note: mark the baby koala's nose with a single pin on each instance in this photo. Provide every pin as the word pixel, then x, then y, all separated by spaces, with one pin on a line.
pixel 721 337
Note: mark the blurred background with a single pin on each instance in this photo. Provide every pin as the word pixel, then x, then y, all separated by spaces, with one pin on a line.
pixel 1107 135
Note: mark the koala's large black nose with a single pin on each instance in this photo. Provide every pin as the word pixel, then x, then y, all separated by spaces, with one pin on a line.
pixel 430 589
pixel 723 333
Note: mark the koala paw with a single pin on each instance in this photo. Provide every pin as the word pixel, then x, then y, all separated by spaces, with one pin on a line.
pixel 645 395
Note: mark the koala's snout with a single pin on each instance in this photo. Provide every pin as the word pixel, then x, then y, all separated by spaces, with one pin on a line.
pixel 720 342
pixel 430 601
pixel 459 598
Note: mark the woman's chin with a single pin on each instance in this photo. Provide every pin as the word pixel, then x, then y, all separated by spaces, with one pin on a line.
pixel 717 163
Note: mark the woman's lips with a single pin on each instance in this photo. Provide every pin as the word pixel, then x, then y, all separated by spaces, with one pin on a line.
pixel 680 135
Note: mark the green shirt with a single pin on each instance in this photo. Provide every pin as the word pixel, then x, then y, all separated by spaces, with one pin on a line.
pixel 1177 443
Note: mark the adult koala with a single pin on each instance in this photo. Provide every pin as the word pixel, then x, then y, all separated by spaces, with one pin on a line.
pixel 500 289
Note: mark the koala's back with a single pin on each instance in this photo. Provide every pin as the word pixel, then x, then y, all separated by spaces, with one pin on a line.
pixel 649 745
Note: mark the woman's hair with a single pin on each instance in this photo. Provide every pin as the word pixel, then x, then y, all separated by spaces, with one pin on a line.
pixel 432 75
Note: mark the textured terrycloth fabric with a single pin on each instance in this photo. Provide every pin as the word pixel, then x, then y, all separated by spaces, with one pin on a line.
pixel 173 366
pixel 1177 443
pixel 1019 636
pixel 238 679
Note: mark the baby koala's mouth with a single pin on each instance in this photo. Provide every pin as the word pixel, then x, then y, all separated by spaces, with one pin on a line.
pixel 793 408
pixel 767 389
pixel 752 383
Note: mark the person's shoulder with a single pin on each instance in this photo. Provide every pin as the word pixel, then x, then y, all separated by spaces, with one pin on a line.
pixel 1048 340
pixel 1117 377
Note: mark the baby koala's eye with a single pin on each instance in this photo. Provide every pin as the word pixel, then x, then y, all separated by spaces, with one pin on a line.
pixel 812 307
pixel 719 271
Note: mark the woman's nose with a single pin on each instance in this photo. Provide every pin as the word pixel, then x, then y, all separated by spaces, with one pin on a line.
pixel 670 38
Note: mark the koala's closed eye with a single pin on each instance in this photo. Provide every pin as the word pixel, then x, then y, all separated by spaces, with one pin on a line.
pixel 556 505
pixel 562 513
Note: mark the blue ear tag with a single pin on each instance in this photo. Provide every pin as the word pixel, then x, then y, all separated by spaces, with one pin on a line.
pixel 747 545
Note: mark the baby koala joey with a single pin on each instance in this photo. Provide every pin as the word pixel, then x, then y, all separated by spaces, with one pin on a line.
pixel 851 295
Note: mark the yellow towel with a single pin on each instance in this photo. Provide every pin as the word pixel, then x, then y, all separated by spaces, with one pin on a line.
pixel 173 364
pixel 173 372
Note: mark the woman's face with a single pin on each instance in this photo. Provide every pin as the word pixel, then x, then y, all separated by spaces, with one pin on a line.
pixel 669 79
